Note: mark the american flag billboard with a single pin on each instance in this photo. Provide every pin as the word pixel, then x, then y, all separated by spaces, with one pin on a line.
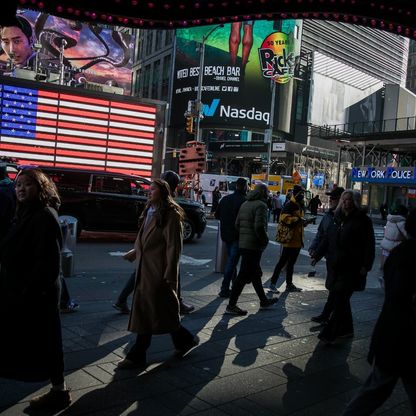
pixel 64 129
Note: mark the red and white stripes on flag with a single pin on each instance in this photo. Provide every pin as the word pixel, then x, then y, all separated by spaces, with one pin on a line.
pixel 72 130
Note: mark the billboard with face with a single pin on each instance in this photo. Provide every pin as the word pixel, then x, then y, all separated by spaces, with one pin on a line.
pixel 91 53
pixel 241 61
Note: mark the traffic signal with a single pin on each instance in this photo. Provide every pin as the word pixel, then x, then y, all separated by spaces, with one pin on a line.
pixel 189 124
pixel 192 158
pixel 193 153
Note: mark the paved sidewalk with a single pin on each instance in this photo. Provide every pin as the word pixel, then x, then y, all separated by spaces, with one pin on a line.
pixel 267 363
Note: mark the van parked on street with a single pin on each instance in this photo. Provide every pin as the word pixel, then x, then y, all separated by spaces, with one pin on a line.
pixel 209 181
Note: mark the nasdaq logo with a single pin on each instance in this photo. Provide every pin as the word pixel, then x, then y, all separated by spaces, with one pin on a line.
pixel 234 112
pixel 209 110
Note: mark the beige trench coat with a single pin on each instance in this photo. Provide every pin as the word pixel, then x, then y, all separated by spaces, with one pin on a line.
pixel 155 308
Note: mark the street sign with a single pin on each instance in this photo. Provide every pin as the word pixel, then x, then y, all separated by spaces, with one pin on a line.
pixel 279 146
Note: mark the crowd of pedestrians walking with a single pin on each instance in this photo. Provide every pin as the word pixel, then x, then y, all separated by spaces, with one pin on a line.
pixel 30 252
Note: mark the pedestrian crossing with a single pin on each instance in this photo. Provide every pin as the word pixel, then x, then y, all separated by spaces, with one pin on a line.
pixel 313 228
pixel 378 233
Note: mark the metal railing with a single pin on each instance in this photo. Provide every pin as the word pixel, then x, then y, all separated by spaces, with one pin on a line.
pixel 365 128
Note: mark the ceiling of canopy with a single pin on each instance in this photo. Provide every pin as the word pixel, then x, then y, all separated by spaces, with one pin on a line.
pixel 397 16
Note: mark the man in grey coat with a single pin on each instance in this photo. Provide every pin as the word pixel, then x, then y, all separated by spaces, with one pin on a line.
pixel 251 224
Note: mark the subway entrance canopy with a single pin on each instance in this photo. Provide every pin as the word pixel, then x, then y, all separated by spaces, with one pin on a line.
pixel 396 16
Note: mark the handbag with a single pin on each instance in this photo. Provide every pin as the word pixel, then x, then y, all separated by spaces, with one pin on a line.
pixel 284 233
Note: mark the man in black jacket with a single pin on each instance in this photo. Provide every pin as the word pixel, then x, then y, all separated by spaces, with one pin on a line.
pixel 349 248
pixel 393 344
pixel 227 213
pixel 324 225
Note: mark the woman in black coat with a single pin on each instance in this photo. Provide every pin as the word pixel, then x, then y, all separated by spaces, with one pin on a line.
pixel 393 344
pixel 349 248
pixel 31 349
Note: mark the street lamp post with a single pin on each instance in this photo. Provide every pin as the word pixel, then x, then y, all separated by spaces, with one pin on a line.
pixel 269 132
pixel 199 108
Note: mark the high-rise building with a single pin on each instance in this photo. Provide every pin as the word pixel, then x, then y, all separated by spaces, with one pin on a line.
pixel 355 59
pixel 153 64
pixel 411 68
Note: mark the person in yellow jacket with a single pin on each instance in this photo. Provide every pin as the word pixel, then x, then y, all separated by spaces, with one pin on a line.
pixel 292 215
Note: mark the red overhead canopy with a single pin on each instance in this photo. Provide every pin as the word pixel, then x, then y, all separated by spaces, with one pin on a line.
pixel 396 16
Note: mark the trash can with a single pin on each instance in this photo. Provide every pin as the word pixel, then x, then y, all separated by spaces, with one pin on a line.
pixel 69 240
pixel 221 254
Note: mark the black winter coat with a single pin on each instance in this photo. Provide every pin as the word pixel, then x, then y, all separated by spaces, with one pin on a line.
pixel 348 246
pixel 29 295
pixel 7 206
pixel 393 344
pixel 227 214
pixel 326 222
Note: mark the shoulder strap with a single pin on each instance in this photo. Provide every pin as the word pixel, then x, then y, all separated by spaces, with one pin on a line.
pixel 400 231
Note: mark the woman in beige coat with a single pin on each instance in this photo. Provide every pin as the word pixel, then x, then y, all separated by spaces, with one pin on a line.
pixel 158 247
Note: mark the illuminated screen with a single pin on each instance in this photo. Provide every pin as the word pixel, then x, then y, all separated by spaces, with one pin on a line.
pixel 44 127
pixel 92 53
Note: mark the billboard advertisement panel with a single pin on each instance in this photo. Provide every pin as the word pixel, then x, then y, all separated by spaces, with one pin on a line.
pixel 91 53
pixel 49 126
pixel 241 59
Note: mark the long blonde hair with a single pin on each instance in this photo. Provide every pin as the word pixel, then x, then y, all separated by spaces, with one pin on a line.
pixel 355 196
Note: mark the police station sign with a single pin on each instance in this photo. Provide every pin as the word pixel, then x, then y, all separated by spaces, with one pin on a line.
pixel 386 175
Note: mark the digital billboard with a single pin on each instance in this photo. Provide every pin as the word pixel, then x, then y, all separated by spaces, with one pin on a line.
pixel 242 59
pixel 91 53
pixel 48 126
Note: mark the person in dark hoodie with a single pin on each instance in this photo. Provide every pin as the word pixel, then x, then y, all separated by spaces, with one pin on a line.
pixel 349 248
pixel 227 212
pixel 393 344
pixel 251 224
